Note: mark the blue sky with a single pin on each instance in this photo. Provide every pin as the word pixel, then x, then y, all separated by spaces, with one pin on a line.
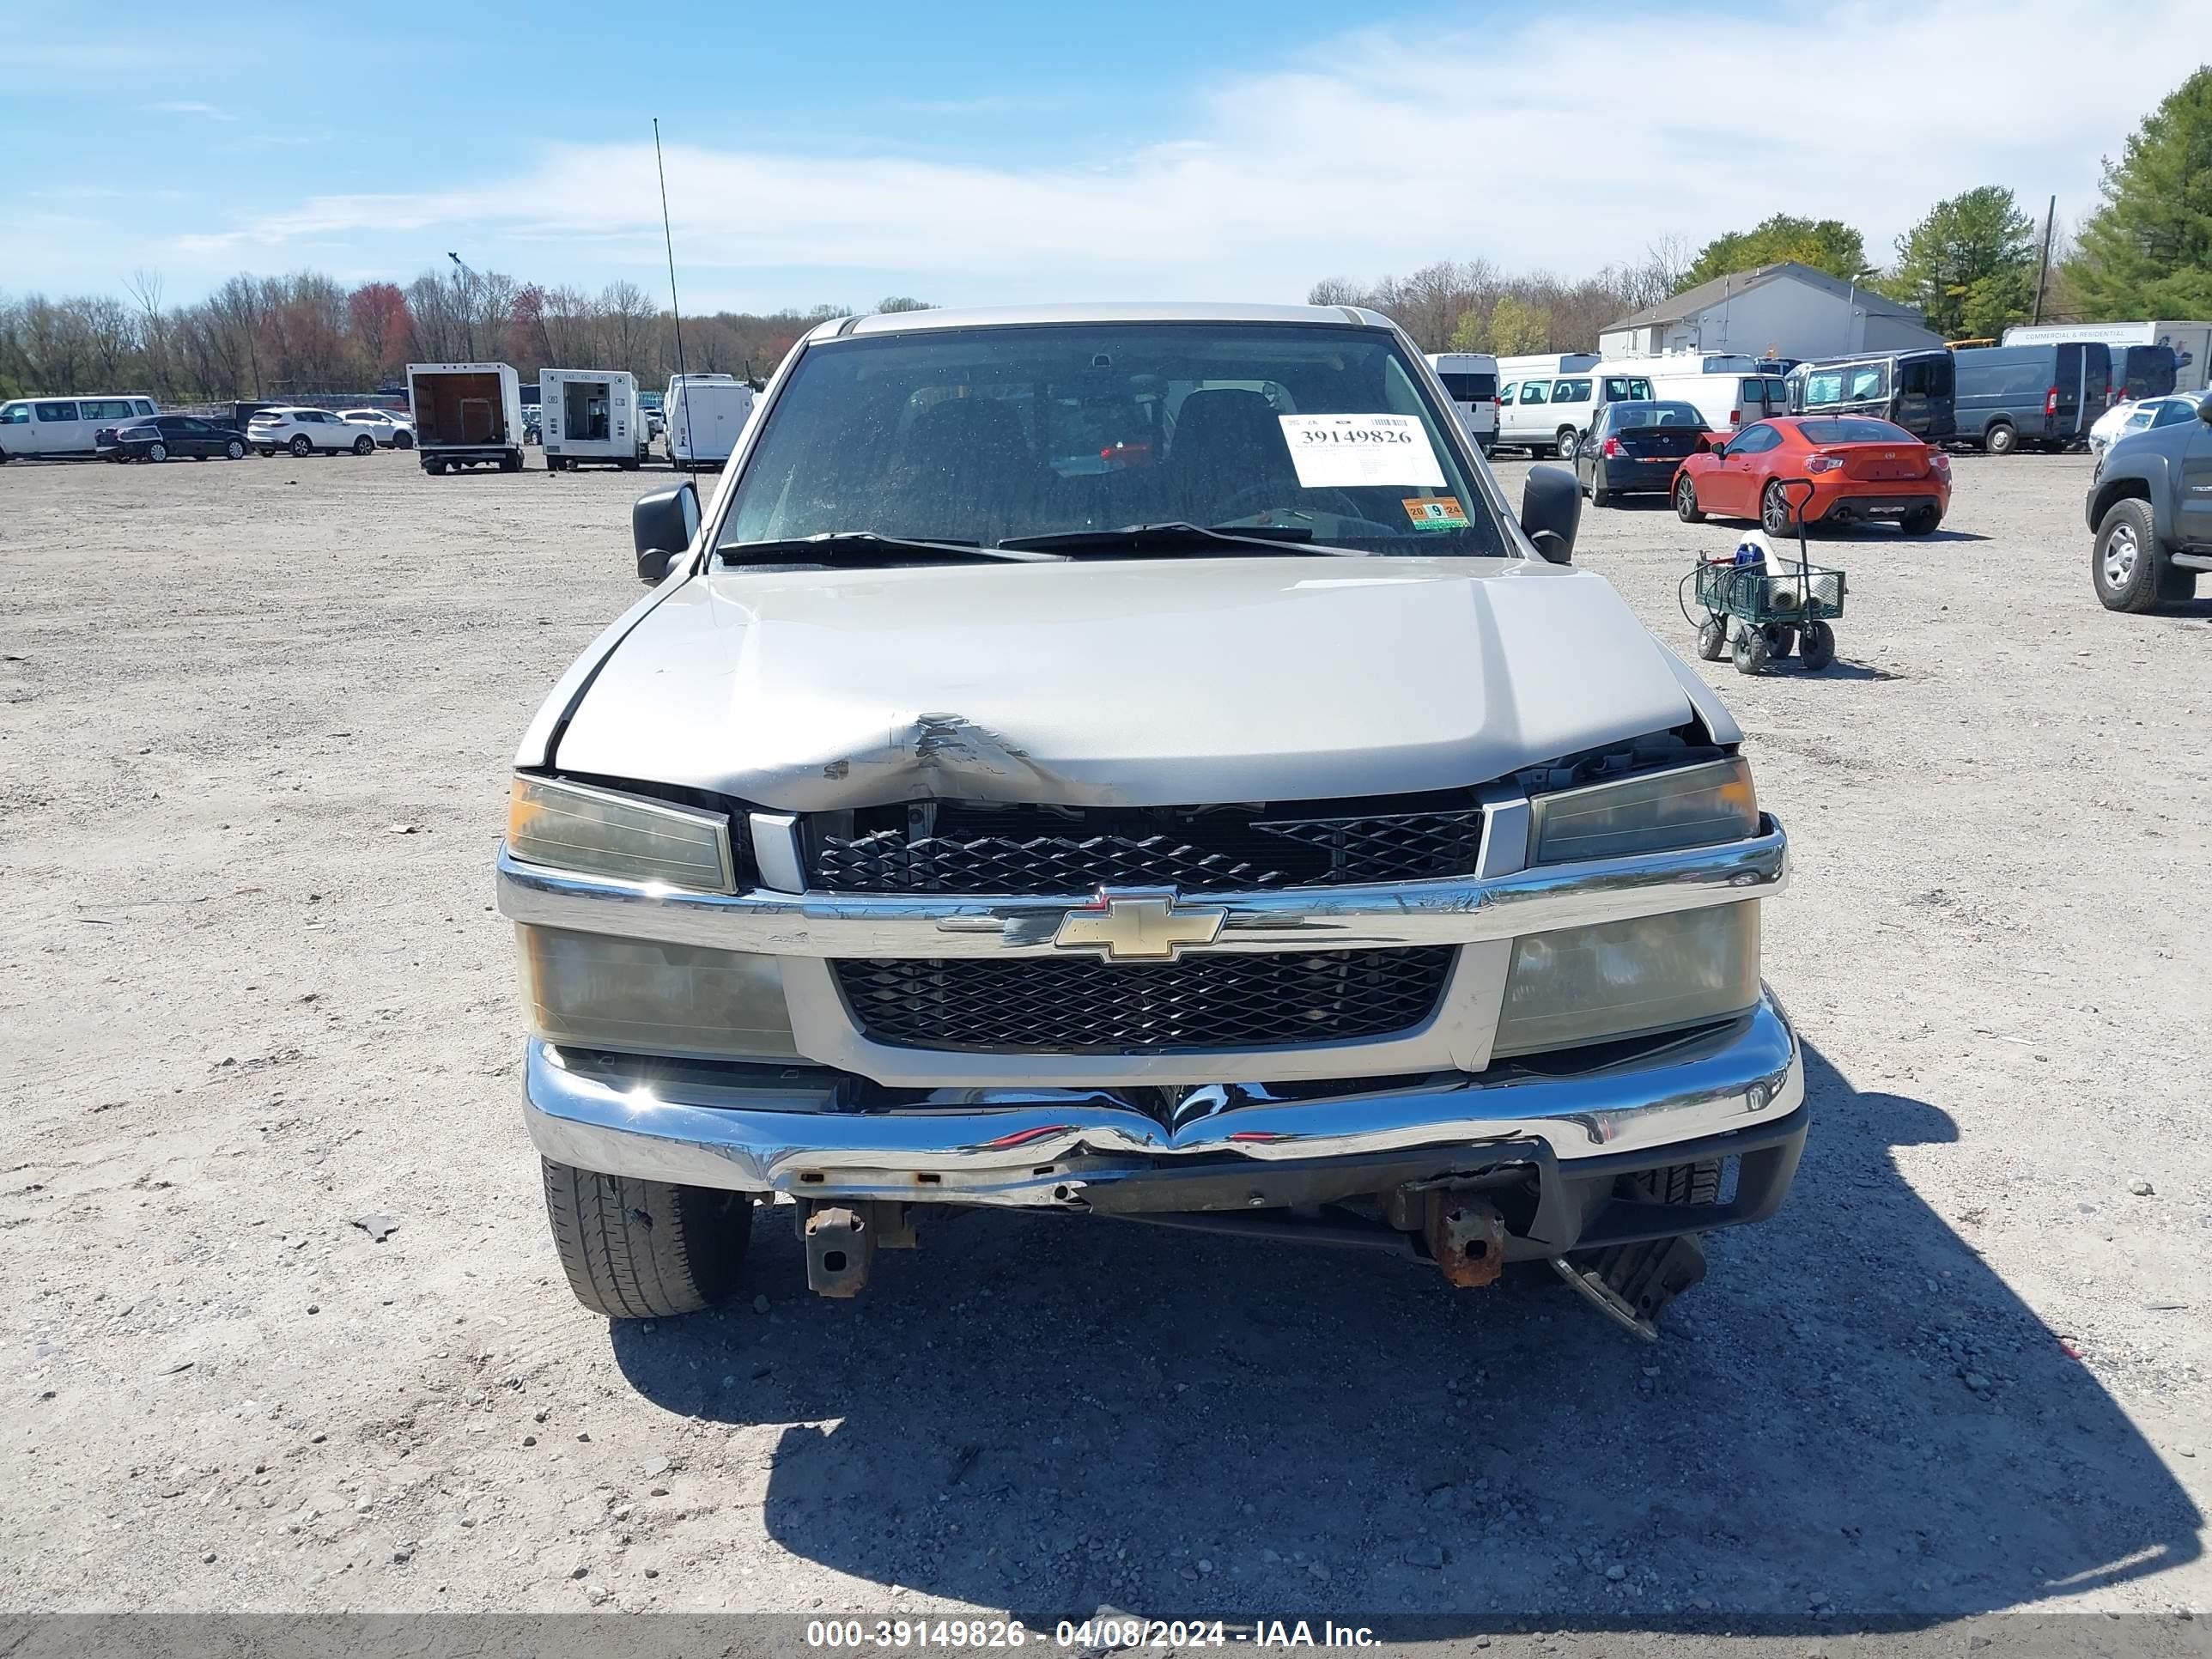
pixel 1131 149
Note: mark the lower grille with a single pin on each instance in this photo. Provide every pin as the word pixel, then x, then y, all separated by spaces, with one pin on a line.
pixel 1082 1006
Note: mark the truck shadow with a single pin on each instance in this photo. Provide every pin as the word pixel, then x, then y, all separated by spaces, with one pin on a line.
pixel 1045 1414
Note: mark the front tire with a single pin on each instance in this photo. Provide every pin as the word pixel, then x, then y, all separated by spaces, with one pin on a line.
pixel 2127 567
pixel 1686 502
pixel 1749 649
pixel 1712 638
pixel 646 1249
pixel 1816 646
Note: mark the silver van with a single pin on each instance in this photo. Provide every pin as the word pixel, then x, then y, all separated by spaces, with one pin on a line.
pixel 63 427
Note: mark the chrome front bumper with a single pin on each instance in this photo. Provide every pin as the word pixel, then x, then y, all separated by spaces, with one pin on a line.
pixel 799 1133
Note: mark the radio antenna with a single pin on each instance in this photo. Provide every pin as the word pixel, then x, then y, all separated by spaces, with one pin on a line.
pixel 675 310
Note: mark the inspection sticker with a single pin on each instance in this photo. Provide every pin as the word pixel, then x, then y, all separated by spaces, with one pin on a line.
pixel 1436 512
pixel 1351 451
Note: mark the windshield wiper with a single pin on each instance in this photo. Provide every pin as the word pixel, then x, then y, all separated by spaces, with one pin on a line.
pixel 836 543
pixel 1138 537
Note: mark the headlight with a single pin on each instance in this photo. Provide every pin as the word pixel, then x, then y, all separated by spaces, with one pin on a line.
pixel 1700 806
pixel 593 992
pixel 1622 978
pixel 573 826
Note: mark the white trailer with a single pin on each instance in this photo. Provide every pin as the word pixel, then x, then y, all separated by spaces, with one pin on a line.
pixel 705 413
pixel 2191 344
pixel 466 414
pixel 590 415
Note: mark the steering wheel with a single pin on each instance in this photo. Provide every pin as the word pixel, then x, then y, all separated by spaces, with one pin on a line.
pixel 1270 494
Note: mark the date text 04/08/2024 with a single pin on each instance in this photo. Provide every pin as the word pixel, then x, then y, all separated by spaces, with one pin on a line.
pixel 1095 1634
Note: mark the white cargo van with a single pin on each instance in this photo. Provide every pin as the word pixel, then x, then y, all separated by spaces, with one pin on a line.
pixel 1728 401
pixel 590 415
pixel 466 414
pixel 1470 380
pixel 2140 369
pixel 705 413
pixel 1549 413
pixel 63 427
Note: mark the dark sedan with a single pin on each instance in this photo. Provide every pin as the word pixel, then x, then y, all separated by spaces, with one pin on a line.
pixel 168 437
pixel 1633 449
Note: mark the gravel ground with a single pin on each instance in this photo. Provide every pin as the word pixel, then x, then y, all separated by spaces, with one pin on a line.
pixel 255 721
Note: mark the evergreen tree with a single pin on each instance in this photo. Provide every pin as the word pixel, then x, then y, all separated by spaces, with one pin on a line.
pixel 2146 252
pixel 1969 266
pixel 1827 245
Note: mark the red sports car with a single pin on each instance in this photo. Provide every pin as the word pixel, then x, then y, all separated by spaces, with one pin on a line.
pixel 1859 467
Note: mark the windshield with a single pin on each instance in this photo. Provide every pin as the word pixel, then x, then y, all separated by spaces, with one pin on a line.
pixel 984 435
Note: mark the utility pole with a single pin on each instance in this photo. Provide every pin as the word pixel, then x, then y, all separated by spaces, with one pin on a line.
pixel 468 305
pixel 2043 270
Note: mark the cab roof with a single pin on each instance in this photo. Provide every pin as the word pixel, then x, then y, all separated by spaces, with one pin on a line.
pixel 902 322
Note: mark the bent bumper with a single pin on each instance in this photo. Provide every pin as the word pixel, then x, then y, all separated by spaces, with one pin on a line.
pixel 1735 1088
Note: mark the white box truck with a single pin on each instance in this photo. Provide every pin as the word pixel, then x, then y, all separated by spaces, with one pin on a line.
pixel 466 414
pixel 2139 366
pixel 705 413
pixel 590 415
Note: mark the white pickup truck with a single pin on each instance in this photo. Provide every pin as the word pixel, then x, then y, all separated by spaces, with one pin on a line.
pixel 1133 761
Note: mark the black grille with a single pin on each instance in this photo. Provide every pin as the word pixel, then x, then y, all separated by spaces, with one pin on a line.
pixel 1083 1005
pixel 961 848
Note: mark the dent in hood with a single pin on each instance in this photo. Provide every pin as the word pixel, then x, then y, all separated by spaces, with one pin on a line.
pixel 1159 683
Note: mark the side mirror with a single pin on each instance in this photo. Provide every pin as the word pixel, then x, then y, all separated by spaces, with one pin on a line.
pixel 661 525
pixel 1551 511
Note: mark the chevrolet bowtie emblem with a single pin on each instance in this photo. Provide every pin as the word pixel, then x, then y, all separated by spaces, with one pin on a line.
pixel 1139 924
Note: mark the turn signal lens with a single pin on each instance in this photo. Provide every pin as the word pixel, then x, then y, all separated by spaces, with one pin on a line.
pixel 1701 806
pixel 1619 979
pixel 593 991
pixel 573 826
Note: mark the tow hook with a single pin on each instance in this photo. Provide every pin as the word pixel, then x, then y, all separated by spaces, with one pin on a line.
pixel 1465 1236
pixel 841 1242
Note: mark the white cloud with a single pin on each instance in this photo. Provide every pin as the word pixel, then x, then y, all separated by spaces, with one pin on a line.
pixel 1564 143
pixel 190 106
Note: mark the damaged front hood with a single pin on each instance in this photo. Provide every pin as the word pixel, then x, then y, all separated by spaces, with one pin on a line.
pixel 1159 683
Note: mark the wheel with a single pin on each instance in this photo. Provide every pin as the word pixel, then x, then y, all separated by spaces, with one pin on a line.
pixel 4 457
pixel 645 1249
pixel 1566 443
pixel 1712 638
pixel 629 466
pixel 1776 517
pixel 1921 521
pixel 1686 502
pixel 2127 566
pixel 157 452
pixel 436 469
pixel 403 440
pixel 553 463
pixel 1600 495
pixel 301 447
pixel 510 463
pixel 2001 439
pixel 234 451
pixel 1780 638
pixel 364 444
pixel 1816 649
pixel 1749 648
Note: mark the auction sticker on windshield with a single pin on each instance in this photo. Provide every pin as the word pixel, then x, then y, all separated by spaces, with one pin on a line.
pixel 1354 452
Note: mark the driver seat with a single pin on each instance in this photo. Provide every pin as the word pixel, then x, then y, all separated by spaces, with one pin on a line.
pixel 1227 441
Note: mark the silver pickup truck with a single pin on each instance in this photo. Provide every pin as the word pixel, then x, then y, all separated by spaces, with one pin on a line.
pixel 1132 760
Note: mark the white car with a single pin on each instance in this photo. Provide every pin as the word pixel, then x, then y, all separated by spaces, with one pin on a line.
pixel 391 430
pixel 2140 416
pixel 304 431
